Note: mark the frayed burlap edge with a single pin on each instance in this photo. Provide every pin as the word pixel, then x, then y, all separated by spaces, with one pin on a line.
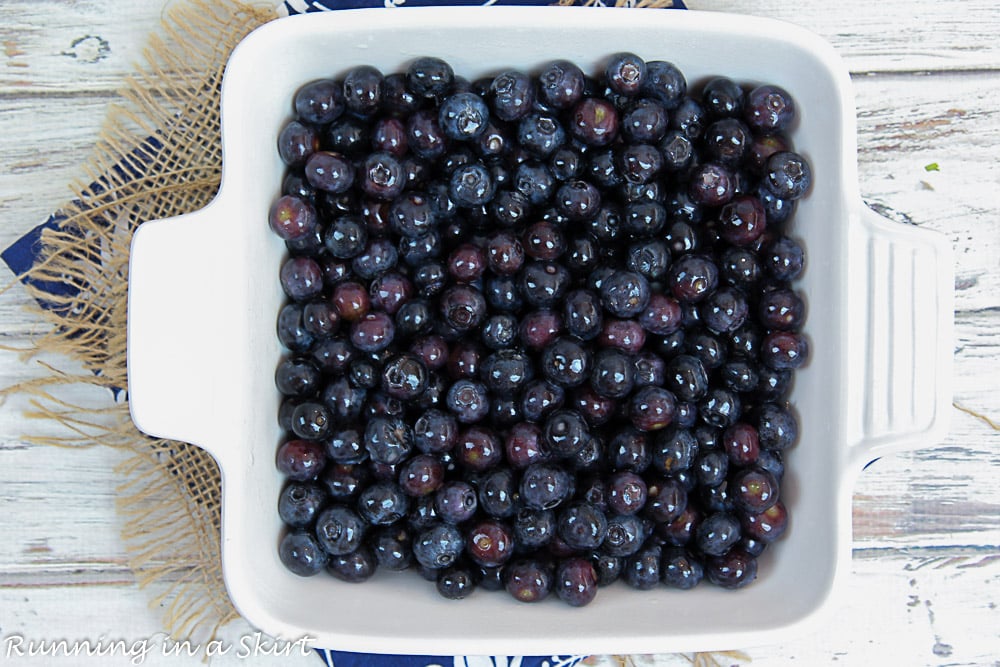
pixel 159 155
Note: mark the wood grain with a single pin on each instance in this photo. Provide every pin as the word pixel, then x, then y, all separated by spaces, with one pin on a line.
pixel 926 523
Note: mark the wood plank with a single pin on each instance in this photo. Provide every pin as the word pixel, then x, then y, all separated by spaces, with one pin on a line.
pixel 43 155
pixel 61 46
pixel 891 35
pixel 110 612
pixel 950 123
pixel 72 46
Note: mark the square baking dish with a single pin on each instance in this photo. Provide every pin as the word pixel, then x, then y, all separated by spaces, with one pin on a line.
pixel 204 297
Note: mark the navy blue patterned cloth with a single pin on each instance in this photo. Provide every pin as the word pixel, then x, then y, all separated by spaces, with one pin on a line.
pixel 23 254
pixel 289 7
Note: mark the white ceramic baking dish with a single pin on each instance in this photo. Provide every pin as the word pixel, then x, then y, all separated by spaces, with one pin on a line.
pixel 204 295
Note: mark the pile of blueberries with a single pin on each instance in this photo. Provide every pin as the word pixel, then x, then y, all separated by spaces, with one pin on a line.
pixel 540 328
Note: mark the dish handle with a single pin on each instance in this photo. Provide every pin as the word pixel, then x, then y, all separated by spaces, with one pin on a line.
pixel 171 301
pixel 906 345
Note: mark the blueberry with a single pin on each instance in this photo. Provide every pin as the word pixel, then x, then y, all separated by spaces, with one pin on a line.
pixel 344 481
pixel 413 318
pixel 788 175
pixel 468 400
pixel 528 580
pixel 319 102
pixel 678 151
pixel 374 332
pixel 490 543
pixel 565 433
pixel 625 73
pixel 664 83
pixel 500 331
pixel 594 122
pixel 769 109
pixel 629 450
pixel 329 171
pixel 534 528
pixel 732 570
pixel 456 583
pixel 478 449
pixel 560 84
pixel 649 258
pixel 300 503
pixel 545 486
pixel 363 90
pixel 292 218
pixel 404 377
pixel 310 421
pixel 717 533
pixel 498 493
pixel 503 295
pixel 692 277
pixel 429 77
pixel 642 569
pixel 388 440
pixel 463 116
pixel 723 98
pixel 612 373
pixel 777 427
pixel 383 503
pixel 511 95
pixel 471 185
pixel 781 309
pixel 543 284
pixel 393 547
pixel 296 142
pixel 421 475
pixel 438 546
pixel 625 293
pixel 678 569
pixel 576 582
pixel 582 526
pixel 339 530
pixel 541 134
pixel 608 568
pixel 565 163
pixel 725 310
pixel 668 501
pixel 674 449
pixel 348 135
pixel 379 256
pixel 566 363
pixel 784 350
pixel 300 460
pixel 455 502
pixel 541 397
pixel 639 163
pixel 651 408
pixel 507 371
pixel 784 259
pixel 463 307
pixel 355 567
pixel 742 220
pixel 425 136
pixel 301 554
pixel 582 314
pixel 381 175
pixel 727 141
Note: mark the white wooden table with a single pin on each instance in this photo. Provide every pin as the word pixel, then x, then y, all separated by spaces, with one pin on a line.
pixel 926 569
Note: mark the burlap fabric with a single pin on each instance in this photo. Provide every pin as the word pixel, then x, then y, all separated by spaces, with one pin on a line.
pixel 159 155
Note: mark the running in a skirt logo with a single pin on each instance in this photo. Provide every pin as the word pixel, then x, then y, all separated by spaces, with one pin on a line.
pixel 138 650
